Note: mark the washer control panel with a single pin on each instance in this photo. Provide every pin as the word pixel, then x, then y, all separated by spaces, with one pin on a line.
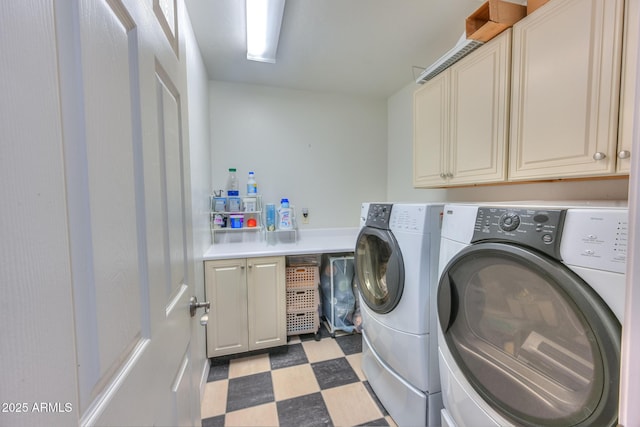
pixel 537 228
pixel 378 215
pixel 596 239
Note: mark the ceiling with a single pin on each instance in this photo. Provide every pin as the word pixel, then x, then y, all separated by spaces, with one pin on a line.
pixel 361 47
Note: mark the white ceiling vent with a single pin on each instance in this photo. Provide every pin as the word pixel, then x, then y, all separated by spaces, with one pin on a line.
pixel 459 51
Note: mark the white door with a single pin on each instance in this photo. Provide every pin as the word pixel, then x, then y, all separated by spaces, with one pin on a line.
pixel 97 270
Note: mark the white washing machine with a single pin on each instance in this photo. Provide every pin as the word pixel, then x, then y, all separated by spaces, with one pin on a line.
pixel 396 258
pixel 530 304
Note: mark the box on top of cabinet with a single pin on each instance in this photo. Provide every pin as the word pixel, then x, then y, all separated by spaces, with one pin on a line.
pixel 492 18
pixel 534 4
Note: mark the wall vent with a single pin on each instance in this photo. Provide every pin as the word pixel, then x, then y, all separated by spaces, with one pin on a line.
pixel 460 50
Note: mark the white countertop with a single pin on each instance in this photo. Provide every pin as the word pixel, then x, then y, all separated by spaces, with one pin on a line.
pixel 314 241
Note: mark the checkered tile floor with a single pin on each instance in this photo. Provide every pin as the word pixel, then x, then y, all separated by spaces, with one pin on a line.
pixel 306 383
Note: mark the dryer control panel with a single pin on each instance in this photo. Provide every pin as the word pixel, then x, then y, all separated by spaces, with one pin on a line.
pixel 536 228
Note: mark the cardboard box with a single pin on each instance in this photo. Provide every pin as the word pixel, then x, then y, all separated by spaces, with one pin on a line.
pixel 492 18
pixel 534 4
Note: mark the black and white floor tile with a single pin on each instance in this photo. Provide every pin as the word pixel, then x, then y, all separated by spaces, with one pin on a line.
pixel 306 383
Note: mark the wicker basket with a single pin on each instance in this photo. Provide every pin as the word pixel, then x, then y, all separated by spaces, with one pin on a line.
pixel 304 276
pixel 302 300
pixel 302 323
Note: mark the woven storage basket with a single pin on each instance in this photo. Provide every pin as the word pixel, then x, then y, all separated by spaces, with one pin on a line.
pixel 302 323
pixel 302 300
pixel 302 276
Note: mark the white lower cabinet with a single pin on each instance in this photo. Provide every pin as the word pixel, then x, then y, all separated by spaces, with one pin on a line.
pixel 248 304
pixel 461 120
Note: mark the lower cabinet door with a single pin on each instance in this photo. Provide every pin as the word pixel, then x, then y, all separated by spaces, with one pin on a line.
pixel 248 304
pixel 267 302
pixel 226 289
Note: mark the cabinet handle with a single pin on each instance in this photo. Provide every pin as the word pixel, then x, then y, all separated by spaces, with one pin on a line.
pixel 624 154
pixel 599 156
pixel 449 175
pixel 443 175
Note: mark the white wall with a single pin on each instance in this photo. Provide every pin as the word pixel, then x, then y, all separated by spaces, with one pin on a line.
pixel 400 171
pixel 200 147
pixel 199 155
pixel 324 152
pixel 400 150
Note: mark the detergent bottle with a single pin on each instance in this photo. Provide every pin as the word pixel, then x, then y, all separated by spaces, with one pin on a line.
pixel 285 221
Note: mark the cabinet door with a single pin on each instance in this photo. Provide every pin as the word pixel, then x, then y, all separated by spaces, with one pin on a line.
pixel 267 302
pixel 479 114
pixel 628 85
pixel 566 73
pixel 431 131
pixel 226 290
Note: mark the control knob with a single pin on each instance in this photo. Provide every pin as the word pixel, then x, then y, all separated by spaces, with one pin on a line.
pixel 509 221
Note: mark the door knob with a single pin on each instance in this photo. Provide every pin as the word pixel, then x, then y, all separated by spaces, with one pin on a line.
pixel 624 154
pixel 194 305
pixel 599 156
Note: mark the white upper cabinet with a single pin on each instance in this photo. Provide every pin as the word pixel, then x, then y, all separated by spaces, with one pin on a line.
pixel 628 84
pixel 479 114
pixel 431 132
pixel 565 90
pixel 461 120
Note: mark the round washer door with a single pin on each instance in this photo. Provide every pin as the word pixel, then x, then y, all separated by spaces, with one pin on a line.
pixel 379 269
pixel 531 337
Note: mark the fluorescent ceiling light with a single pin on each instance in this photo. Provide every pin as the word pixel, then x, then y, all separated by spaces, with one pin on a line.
pixel 264 19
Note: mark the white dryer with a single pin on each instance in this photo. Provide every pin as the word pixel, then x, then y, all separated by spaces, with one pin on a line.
pixel 396 258
pixel 530 304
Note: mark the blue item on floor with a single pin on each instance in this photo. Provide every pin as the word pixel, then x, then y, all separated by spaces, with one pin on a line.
pixel 339 272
